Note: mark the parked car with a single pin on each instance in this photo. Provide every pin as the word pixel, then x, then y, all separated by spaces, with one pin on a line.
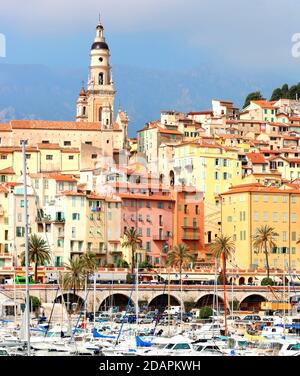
pixel 252 318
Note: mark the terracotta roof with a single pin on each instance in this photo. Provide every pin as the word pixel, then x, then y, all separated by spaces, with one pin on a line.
pixel 294 118
pixel 209 112
pixel 264 104
pixel 259 189
pixel 3 189
pixel 55 125
pixel 5 127
pixel 11 149
pixel 71 193
pixel 8 171
pixel 70 150
pixel 168 131
pixel 256 158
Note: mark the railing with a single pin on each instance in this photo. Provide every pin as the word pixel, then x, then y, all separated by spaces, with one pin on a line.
pixel 160 237
pixel 190 237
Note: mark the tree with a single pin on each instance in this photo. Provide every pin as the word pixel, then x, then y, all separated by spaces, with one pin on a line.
pixel 89 263
pixel 180 256
pixel 223 247
pixel 205 312
pixel 267 282
pixel 133 241
pixel 74 277
pixel 38 253
pixel 252 97
pixel 264 241
pixel 276 95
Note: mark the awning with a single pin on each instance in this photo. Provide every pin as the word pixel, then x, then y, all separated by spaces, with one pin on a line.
pixel 188 277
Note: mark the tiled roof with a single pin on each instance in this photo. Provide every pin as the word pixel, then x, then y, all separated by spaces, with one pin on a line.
pixel 256 158
pixel 7 171
pixel 264 104
pixel 54 125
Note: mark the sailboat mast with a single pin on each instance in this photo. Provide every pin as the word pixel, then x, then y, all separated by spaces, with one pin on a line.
pixel 27 313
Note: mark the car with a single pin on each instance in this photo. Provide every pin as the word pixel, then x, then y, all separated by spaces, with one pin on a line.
pixel 233 318
pixel 252 318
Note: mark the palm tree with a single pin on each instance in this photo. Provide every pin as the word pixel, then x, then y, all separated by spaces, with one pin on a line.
pixel 74 277
pixel 264 241
pixel 180 256
pixel 38 253
pixel 223 247
pixel 132 240
pixel 89 263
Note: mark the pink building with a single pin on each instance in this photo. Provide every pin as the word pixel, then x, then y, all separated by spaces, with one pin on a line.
pixel 151 214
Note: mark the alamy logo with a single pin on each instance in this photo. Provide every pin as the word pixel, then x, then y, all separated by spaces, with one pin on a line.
pixel 296 45
pixel 2 45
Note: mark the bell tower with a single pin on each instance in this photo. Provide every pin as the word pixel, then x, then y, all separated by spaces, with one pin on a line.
pixel 98 102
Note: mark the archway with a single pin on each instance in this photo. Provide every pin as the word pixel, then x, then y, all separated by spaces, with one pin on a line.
pixel 250 280
pixel 210 300
pixel 252 303
pixel 242 281
pixel 72 301
pixel 118 302
pixel 160 302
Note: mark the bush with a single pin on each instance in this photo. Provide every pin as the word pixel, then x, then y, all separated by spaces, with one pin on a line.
pixel 206 312
pixel 188 306
pixel 122 264
pixel 235 303
pixel 34 303
pixel 267 282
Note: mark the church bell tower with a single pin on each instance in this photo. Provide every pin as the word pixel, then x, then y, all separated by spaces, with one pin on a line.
pixel 96 103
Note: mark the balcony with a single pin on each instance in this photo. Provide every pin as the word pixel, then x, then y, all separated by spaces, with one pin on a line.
pixel 160 237
pixel 61 234
pixel 190 237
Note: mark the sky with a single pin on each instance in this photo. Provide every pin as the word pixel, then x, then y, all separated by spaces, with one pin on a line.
pixel 162 34
pixel 176 54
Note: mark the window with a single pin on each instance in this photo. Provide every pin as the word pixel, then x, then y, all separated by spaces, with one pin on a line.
pixel 294 236
pixel 20 232
pixel 109 215
pixel 140 231
pixel 61 186
pixel 91 231
pixel 148 246
pixel 284 236
pixel 71 157
pixel 284 199
pixel 94 156
pixel 75 216
pixel 266 198
pixel 28 156
pixel 45 142
pixel 160 205
pixel 275 199
pixel 67 143
pixel 73 201
pixel 148 232
pixel 275 217
pixel 255 198
pixel 46 184
pixel 101 79
pixel 3 156
pixel 36 184
pixel 255 216
pixel 49 157
pixel 60 243
pixel 294 217
pixel 284 217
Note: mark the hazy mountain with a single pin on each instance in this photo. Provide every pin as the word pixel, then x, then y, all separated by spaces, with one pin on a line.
pixel 41 92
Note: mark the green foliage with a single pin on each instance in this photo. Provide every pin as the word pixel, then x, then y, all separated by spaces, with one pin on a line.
pixel 256 95
pixel 122 264
pixel 205 312
pixel 267 282
pixel 235 303
pixel 145 265
pixel 188 306
pixel 34 303
pixel 286 92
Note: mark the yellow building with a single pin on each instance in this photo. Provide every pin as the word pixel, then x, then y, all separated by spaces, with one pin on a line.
pixel 212 169
pixel 261 110
pixel 246 207
pixel 5 251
